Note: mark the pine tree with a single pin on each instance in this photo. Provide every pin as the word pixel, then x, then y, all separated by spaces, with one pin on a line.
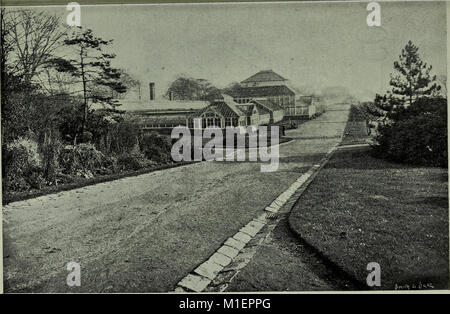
pixel 411 81
pixel 92 69
pixel 412 78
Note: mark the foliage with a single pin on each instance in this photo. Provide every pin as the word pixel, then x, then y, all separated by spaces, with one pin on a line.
pixel 412 79
pixel 82 160
pixel 123 137
pixel 92 69
pixel 50 150
pixel 156 148
pixel 362 112
pixel 231 88
pixel 185 88
pixel 419 137
pixel 22 165
pixel 414 119
pixel 133 160
pixel 48 80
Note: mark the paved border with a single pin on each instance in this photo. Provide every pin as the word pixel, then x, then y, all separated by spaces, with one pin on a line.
pixel 214 272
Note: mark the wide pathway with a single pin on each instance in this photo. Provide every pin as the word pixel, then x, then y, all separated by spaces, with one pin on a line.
pixel 145 233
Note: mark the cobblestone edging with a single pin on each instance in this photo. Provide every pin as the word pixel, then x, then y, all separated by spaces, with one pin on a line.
pixel 236 252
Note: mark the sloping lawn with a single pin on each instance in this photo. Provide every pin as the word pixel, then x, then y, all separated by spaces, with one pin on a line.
pixel 355 130
pixel 360 209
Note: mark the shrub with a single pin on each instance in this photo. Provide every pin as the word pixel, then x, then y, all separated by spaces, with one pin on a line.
pixel 418 137
pixel 49 149
pixel 156 147
pixel 133 160
pixel 87 137
pixel 22 165
pixel 123 136
pixel 82 160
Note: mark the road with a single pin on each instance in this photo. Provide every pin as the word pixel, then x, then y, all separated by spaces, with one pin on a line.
pixel 145 233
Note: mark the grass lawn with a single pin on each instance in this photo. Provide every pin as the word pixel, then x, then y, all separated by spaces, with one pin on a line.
pixel 360 209
pixel 355 130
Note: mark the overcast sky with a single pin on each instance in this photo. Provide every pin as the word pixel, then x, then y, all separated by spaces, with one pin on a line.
pixel 313 44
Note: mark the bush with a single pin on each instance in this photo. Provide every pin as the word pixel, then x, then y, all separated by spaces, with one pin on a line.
pixel 50 149
pixel 156 147
pixel 134 160
pixel 86 137
pixel 419 137
pixel 83 160
pixel 22 165
pixel 123 136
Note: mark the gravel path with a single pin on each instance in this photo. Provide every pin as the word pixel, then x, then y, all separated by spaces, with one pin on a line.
pixel 145 233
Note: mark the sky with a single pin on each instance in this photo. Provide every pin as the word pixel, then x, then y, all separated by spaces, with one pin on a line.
pixel 314 45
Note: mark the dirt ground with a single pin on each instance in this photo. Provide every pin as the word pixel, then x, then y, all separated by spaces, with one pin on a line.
pixel 145 233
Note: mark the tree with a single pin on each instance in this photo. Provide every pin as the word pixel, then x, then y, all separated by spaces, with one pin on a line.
pixel 232 88
pixel 412 78
pixel 442 81
pixel 6 48
pixel 192 89
pixel 28 40
pixel 126 80
pixel 92 69
pixel 33 37
pixel 414 128
pixel 411 81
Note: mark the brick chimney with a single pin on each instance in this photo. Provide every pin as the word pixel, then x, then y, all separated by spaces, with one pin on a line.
pixel 152 90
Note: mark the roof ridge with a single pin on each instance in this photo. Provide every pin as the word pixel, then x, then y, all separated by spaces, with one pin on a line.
pixel 264 76
pixel 233 106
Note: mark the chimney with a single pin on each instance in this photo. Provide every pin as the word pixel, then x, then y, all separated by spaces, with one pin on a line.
pixel 152 90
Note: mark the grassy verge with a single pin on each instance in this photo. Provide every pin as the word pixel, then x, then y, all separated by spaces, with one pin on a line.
pixel 360 209
pixel 355 130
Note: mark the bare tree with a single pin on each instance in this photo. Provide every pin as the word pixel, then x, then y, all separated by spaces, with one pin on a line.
pixel 34 36
pixel 6 46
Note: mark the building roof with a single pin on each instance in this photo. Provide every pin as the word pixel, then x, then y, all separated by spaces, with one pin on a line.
pixel 247 109
pixel 224 108
pixel 262 91
pixel 268 104
pixel 157 105
pixel 264 76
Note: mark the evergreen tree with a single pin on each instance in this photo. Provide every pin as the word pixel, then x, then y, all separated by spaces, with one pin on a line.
pixel 410 81
pixel 412 78
pixel 92 69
